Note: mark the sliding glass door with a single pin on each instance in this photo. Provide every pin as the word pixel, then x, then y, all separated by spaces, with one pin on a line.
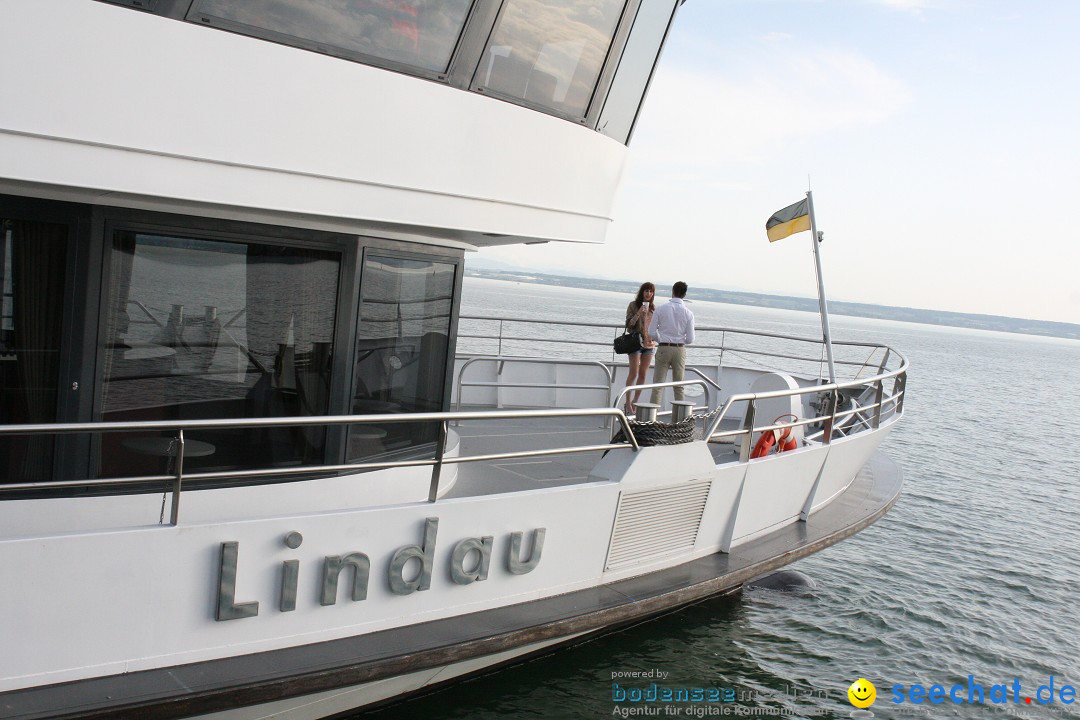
pixel 118 315
pixel 402 350
pixel 198 328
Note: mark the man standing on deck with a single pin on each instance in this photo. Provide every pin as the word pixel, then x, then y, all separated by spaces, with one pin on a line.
pixel 672 327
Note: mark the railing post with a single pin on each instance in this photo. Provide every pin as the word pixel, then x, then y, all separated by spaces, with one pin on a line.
pixel 748 426
pixel 174 516
pixel 830 419
pixel 436 469
pixel 900 391
pixel 500 338
pixel 884 362
pixel 877 401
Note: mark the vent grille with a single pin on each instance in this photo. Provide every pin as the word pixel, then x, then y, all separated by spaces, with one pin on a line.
pixel 653 523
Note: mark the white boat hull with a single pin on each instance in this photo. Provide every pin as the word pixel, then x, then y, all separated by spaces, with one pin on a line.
pixel 343 700
pixel 415 644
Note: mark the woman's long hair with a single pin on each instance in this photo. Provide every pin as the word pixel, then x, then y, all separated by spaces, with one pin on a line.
pixel 640 299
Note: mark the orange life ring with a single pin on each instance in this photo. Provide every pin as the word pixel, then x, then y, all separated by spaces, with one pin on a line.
pixel 790 444
pixel 782 438
pixel 764 444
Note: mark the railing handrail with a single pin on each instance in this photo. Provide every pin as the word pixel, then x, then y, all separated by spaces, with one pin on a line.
pixel 827 419
pixel 179 426
pixel 812 389
pixel 695 346
pixel 435 463
pixel 763 357
pixel 540 361
pixel 300 420
pixel 697 329
pixel 669 384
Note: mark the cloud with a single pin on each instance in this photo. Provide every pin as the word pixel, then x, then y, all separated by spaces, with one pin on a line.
pixel 773 91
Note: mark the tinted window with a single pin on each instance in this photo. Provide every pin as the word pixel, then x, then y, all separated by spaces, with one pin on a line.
pixel 416 33
pixel 32 267
pixel 635 69
pixel 199 329
pixel 402 345
pixel 550 53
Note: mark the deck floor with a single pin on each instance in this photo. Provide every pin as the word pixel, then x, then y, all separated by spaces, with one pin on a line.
pixel 484 437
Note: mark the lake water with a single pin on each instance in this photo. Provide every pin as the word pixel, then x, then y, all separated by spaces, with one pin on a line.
pixel 973 572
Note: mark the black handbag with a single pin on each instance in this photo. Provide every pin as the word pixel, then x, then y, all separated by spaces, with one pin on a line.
pixel 628 342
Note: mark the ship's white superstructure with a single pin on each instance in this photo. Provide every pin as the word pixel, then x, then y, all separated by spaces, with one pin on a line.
pixel 253 460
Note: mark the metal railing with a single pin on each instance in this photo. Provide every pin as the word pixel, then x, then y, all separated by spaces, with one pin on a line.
pixel 704 383
pixel 460 383
pixel 707 383
pixel 831 418
pixel 177 477
pixel 548 331
pixel 831 421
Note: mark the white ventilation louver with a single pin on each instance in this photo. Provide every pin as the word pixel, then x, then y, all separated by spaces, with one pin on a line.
pixel 653 523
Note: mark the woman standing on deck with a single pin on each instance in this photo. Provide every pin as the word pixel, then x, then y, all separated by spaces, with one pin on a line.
pixel 638 316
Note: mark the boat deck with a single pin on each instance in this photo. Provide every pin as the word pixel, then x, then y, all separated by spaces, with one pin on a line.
pixel 484 437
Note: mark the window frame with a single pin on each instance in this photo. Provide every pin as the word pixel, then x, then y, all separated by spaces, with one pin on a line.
pixel 599 119
pixel 463 68
pixel 92 229
pixel 353 248
pixel 198 17
pixel 600 87
pixel 405 251
pixel 74 371
pixel 125 220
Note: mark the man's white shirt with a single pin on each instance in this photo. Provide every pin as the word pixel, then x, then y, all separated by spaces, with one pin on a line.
pixel 672 323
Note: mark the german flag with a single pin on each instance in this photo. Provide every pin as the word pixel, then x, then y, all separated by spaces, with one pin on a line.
pixel 792 219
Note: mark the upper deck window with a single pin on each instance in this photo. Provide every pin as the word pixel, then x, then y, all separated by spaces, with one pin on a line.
pixel 549 53
pixel 586 62
pixel 411 33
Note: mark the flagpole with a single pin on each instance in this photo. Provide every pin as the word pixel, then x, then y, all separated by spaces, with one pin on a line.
pixel 822 305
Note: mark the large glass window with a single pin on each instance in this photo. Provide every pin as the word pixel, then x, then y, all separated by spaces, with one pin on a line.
pixel 636 64
pixel 402 344
pixel 198 329
pixel 549 53
pixel 415 33
pixel 33 262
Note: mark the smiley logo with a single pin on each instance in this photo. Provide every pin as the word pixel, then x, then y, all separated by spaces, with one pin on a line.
pixel 862 693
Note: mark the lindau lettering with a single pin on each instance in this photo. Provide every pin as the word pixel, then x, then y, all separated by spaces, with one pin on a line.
pixel 469 562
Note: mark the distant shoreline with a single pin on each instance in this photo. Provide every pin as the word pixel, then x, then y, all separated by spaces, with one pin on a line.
pixel 997 323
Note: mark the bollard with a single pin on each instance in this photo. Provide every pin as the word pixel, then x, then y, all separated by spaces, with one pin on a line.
pixel 680 410
pixel 646 412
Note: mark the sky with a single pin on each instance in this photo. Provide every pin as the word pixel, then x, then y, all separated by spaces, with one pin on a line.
pixel 941 139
